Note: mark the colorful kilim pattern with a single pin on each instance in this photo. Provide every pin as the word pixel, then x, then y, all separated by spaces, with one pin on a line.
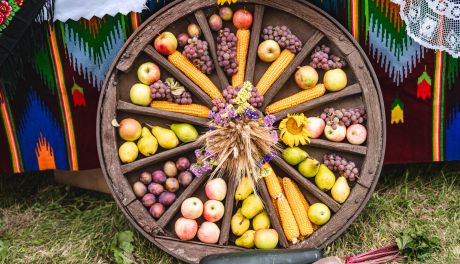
pixel 8 8
pixel 48 121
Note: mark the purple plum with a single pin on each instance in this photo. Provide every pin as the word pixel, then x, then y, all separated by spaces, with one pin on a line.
pixel 159 176
pixel 182 164
pixel 145 178
pixel 156 188
pixel 148 200
pixel 157 210
pixel 172 185
pixel 185 178
pixel 167 198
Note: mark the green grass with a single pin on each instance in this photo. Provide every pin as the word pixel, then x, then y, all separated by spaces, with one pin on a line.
pixel 46 223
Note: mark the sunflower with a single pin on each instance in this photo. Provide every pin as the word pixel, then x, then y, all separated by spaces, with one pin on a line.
pixel 293 130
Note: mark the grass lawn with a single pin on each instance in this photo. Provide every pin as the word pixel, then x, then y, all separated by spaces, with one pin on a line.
pixel 46 223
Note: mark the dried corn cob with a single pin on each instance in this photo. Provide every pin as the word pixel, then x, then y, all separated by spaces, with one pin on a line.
pixel 192 72
pixel 298 209
pixel 274 71
pixel 291 231
pixel 296 99
pixel 191 109
pixel 276 208
pixel 273 185
pixel 243 36
pixel 303 200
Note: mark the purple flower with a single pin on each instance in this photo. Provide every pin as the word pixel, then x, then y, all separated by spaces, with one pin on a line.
pixel 275 135
pixel 251 114
pixel 269 120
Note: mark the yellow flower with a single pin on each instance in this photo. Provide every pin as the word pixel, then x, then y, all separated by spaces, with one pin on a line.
pixel 293 130
pixel 222 2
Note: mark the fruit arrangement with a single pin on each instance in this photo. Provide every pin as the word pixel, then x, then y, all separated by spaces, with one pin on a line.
pixel 243 76
pixel 186 227
pixel 158 190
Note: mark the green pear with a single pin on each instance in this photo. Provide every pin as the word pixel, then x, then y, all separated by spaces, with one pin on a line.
pixel 251 206
pixel 309 167
pixel 147 144
pixel 261 221
pixel 166 137
pixel 325 178
pixel 239 223
pixel 185 132
pixel 294 155
pixel 244 189
pixel 341 190
pixel 246 240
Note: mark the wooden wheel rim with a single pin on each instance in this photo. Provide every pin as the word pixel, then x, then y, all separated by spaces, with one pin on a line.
pixel 192 252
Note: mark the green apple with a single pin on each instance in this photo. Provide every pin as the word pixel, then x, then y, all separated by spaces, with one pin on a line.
pixel 266 238
pixel 140 94
pixel 319 213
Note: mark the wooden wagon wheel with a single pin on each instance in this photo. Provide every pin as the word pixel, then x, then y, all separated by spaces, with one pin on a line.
pixel 313 27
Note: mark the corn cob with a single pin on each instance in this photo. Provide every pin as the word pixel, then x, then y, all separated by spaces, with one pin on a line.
pixel 298 208
pixel 291 231
pixel 192 72
pixel 243 36
pixel 273 185
pixel 274 71
pixel 296 99
pixel 306 206
pixel 191 109
pixel 276 207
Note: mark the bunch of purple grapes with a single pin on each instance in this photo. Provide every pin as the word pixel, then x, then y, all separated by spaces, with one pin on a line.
pixel 226 51
pixel 341 165
pixel 198 52
pixel 322 59
pixel 184 98
pixel 161 91
pixel 218 104
pixel 343 117
pixel 230 93
pixel 284 37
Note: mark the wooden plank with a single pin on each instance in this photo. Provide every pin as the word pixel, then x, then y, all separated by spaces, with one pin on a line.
pixel 188 192
pixel 254 42
pixel 306 184
pixel 229 204
pixel 180 77
pixel 344 147
pixel 109 152
pixel 262 188
pixel 159 157
pixel 288 73
pixel 151 111
pixel 143 218
pixel 203 22
pixel 325 99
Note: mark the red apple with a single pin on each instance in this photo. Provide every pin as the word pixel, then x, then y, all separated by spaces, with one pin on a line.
pixel 183 39
pixel 192 208
pixel 215 22
pixel 356 134
pixel 315 126
pixel 216 189
pixel 242 19
pixel 185 228
pixel 148 73
pixel 166 43
pixel 208 233
pixel 306 77
pixel 336 135
pixel 129 129
pixel 194 30
pixel 269 50
pixel 213 210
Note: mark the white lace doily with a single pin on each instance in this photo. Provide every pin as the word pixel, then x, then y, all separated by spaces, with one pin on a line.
pixel 434 24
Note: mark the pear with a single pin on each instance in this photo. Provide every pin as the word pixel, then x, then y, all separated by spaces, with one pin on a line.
pixel 185 132
pixel 251 206
pixel 244 189
pixel 261 221
pixel 340 191
pixel 128 152
pixel 294 155
pixel 239 223
pixel 166 137
pixel 325 178
pixel 309 167
pixel 246 240
pixel 147 144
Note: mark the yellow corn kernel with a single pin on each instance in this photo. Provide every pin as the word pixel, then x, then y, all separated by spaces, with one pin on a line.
pixel 191 109
pixel 243 36
pixel 273 185
pixel 291 231
pixel 194 74
pixel 274 71
pixel 296 99
pixel 297 206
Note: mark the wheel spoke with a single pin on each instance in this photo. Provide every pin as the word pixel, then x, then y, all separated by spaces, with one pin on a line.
pixel 151 111
pixel 229 204
pixel 143 218
pixel 162 156
pixel 203 22
pixel 307 48
pixel 188 192
pixel 191 86
pixel 262 187
pixel 309 186
pixel 344 147
pixel 254 42
pixel 327 98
